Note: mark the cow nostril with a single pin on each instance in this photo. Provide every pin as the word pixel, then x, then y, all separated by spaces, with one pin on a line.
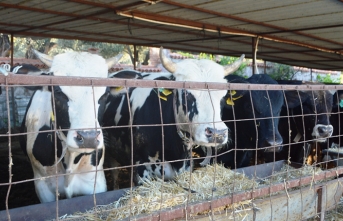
pixel 209 131
pixel 79 137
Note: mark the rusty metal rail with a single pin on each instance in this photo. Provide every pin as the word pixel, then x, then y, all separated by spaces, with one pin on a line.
pixel 26 80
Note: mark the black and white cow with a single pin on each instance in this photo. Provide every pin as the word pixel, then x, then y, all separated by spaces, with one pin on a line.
pixel 190 117
pixel 305 120
pixel 72 161
pixel 253 118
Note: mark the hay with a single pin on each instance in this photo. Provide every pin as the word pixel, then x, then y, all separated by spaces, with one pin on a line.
pixel 189 187
pixel 288 172
pixel 214 179
pixel 335 148
pixel 202 184
pixel 154 195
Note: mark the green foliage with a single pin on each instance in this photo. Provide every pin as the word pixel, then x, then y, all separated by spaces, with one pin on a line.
pixel 328 79
pixel 21 46
pixel 283 72
pixel 226 60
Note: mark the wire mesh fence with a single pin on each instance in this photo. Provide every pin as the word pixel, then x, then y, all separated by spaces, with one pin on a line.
pixel 244 176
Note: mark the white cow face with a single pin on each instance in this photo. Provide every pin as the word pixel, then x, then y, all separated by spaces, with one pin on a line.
pixel 200 109
pixel 76 107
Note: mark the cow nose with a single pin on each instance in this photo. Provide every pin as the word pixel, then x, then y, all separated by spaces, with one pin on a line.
pixel 214 135
pixel 274 145
pixel 325 131
pixel 87 139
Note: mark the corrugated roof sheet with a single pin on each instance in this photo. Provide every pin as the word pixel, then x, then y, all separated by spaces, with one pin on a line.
pixel 306 33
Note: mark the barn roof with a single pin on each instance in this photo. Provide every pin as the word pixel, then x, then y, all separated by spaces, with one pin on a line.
pixel 306 33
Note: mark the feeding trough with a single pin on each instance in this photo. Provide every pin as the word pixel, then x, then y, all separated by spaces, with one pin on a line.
pixel 287 198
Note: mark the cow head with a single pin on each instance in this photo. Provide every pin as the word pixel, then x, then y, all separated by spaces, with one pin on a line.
pixel 77 107
pixel 316 107
pixel 198 112
pixel 257 110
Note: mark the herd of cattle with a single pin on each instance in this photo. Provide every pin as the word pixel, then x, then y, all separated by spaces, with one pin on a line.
pixel 68 128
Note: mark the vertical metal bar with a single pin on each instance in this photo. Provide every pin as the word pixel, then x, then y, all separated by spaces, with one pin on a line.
pixel 134 57
pixel 311 74
pixel 321 203
pixel 12 89
pixel 265 67
pixel 253 53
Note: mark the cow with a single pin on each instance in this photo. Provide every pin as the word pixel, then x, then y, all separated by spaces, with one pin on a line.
pixel 304 122
pixel 336 120
pixel 253 118
pixel 63 139
pixel 190 117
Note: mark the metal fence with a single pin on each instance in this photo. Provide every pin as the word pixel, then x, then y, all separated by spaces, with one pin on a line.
pixel 279 190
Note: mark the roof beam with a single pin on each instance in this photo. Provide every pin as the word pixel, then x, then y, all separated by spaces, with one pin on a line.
pixel 167 20
pixel 280 29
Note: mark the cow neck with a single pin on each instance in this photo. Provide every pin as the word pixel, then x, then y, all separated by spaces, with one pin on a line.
pixel 184 135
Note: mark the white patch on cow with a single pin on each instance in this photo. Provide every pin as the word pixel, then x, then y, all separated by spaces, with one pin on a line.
pixel 37 116
pixel 118 115
pixel 81 177
pixel 209 115
pixel 82 111
pixel 138 98
pixel 207 101
pixel 154 75
pixel 139 95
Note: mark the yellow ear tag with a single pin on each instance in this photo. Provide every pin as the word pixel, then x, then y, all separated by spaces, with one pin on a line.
pixel 118 88
pixel 52 116
pixel 162 97
pixel 236 98
pixel 233 92
pixel 166 92
pixel 229 101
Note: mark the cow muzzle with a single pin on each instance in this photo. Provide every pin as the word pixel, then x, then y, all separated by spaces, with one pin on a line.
pixel 272 145
pixel 321 132
pixel 216 136
pixel 87 138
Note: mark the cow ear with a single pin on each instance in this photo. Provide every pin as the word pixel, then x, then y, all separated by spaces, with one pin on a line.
pixel 294 99
pixel 232 96
pixel 115 91
pixel 332 91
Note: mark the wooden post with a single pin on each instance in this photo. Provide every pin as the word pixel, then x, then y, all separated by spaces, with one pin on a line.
pixel 254 52
pixel 134 57
pixel 12 89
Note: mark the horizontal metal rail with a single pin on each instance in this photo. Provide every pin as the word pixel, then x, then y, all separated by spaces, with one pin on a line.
pixel 27 80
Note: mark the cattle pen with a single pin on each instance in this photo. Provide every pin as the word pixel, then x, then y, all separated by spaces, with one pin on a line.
pixel 271 192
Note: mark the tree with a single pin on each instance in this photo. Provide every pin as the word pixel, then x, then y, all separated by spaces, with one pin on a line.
pixel 5 46
pixel 284 72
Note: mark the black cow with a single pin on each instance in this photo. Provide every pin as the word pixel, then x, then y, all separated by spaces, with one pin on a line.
pixel 190 117
pixel 304 120
pixel 253 118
